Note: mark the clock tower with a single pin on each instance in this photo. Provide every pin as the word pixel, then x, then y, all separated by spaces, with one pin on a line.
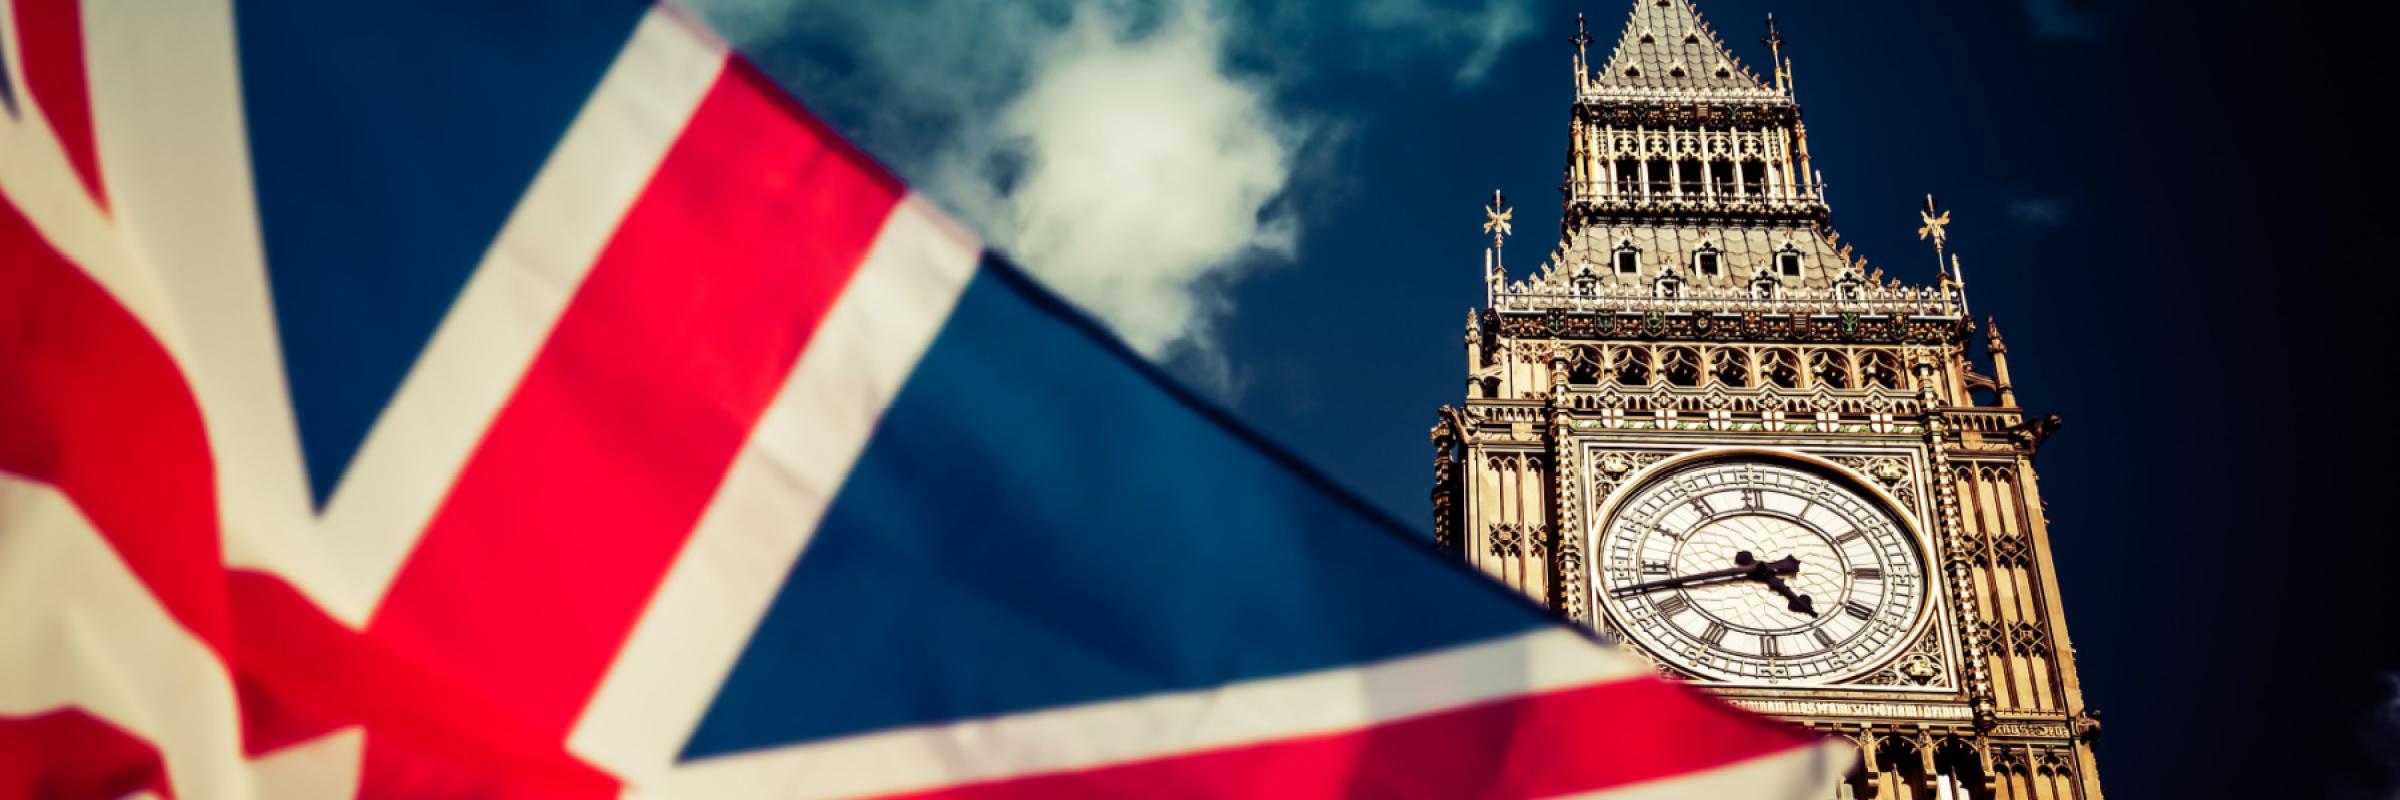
pixel 1707 428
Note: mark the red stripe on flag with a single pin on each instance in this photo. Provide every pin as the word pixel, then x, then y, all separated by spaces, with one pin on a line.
pixel 97 408
pixel 1563 742
pixel 50 43
pixel 563 523
pixel 302 674
pixel 74 754
pixel 92 404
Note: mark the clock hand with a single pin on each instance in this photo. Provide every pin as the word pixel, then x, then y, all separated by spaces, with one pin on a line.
pixel 1798 602
pixel 1683 580
pixel 1746 566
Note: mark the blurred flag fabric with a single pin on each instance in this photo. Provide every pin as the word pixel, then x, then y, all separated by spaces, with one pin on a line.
pixel 531 400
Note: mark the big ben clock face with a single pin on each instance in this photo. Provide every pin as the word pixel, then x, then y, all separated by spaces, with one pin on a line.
pixel 1755 571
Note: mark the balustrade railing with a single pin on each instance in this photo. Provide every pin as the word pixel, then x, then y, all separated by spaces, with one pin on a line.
pixel 1984 420
pixel 1633 193
pixel 1587 295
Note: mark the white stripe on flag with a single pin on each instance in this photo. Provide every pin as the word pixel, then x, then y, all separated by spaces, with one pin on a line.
pixel 779 487
pixel 324 767
pixel 184 210
pixel 82 632
pixel 1778 776
pixel 1122 731
pixel 40 184
pixel 500 321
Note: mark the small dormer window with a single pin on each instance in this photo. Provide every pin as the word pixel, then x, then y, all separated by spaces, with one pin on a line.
pixel 1691 37
pixel 1633 72
pixel 1629 259
pixel 1647 38
pixel 1788 263
pixel 1724 71
pixel 1706 262
pixel 1675 71
pixel 1668 285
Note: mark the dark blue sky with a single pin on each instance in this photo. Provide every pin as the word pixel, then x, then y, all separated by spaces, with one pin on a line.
pixel 2116 207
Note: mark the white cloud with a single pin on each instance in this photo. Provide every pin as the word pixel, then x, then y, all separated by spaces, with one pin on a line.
pixel 1135 175
pixel 1476 34
pixel 1131 153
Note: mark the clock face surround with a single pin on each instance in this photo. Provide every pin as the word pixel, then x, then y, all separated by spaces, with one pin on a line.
pixel 1760 570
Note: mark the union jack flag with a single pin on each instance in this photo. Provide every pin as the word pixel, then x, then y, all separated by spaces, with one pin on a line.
pixel 455 398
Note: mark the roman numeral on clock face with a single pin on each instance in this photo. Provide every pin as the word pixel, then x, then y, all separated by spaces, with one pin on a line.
pixel 1858 609
pixel 1867 573
pixel 1673 605
pixel 1823 638
pixel 1767 646
pixel 1847 537
pixel 1753 499
pixel 1715 634
pixel 1702 507
pixel 1654 568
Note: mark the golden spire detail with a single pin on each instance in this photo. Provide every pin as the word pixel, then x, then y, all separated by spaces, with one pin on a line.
pixel 1496 218
pixel 1936 221
pixel 1496 222
pixel 1582 39
pixel 1937 228
pixel 1774 43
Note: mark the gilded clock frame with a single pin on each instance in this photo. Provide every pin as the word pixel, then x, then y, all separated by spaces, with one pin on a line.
pixel 1604 510
pixel 1922 630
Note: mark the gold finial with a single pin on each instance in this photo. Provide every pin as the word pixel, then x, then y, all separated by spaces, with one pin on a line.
pixel 1582 38
pixel 1495 222
pixel 1936 222
pixel 1774 43
pixel 1937 228
pixel 1496 217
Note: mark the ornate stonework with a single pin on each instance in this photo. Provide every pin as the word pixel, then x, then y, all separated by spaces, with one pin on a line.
pixel 1702 380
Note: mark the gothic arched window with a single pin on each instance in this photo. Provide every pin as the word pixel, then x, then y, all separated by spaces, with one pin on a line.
pixel 1731 367
pixel 1781 368
pixel 1706 261
pixel 1830 367
pixel 1633 366
pixel 1680 366
pixel 1787 262
pixel 1880 368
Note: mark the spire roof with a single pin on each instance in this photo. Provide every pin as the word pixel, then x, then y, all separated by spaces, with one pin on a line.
pixel 1666 45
